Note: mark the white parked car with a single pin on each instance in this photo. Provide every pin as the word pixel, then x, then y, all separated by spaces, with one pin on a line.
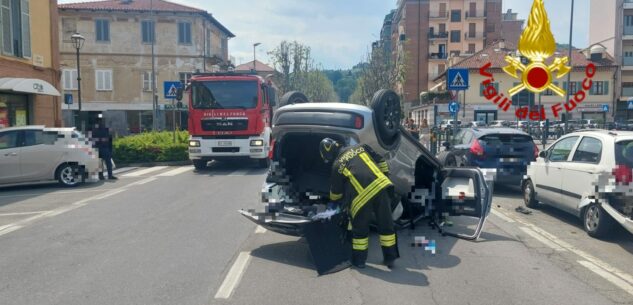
pixel 499 124
pixel 587 173
pixel 32 154
pixel 452 123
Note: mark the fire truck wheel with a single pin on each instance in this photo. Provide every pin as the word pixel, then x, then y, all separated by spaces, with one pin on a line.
pixel 199 164
pixel 263 163
pixel 387 114
pixel 293 97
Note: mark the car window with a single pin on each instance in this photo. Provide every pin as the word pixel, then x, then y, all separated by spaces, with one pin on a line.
pixel 624 153
pixel 561 150
pixel 39 137
pixel 457 140
pixel 468 137
pixel 8 139
pixel 589 150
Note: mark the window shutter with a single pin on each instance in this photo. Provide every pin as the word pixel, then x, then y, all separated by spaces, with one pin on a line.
pixel 606 88
pixel 7 34
pixel 481 89
pixel 26 29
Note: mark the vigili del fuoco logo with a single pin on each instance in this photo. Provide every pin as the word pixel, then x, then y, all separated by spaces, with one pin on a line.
pixel 538 46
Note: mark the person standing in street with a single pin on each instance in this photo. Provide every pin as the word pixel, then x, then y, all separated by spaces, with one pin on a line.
pixel 359 184
pixel 103 142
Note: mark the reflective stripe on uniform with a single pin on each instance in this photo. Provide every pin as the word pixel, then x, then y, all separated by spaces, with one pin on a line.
pixel 335 197
pixel 388 240
pixel 383 167
pixel 359 189
pixel 360 244
pixel 369 193
pixel 371 164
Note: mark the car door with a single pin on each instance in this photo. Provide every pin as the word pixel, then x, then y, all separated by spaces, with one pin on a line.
pixel 547 177
pixel 38 155
pixel 9 157
pixel 584 168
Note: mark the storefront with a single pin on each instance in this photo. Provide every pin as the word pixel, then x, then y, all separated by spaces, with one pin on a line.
pixel 15 110
pixel 17 98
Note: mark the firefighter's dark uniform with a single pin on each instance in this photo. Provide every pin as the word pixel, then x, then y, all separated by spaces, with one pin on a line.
pixel 359 179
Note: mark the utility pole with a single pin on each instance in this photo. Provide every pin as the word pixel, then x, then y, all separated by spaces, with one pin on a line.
pixel 154 96
pixel 571 31
pixel 255 56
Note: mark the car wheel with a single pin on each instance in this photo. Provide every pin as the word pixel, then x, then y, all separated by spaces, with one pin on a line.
pixel 293 97
pixel 69 175
pixel 596 221
pixel 529 196
pixel 447 159
pixel 387 111
pixel 200 164
pixel 263 163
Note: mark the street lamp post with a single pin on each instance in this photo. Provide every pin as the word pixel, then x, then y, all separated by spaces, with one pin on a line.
pixel 78 43
pixel 571 63
pixel 255 56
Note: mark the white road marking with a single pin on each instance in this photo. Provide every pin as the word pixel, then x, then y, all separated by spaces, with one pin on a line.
pixel 145 171
pixel 176 171
pixel 9 229
pixel 586 256
pixel 500 215
pixel 542 239
pixel 260 230
pixel 123 170
pixel 22 213
pixel 108 194
pixel 141 182
pixel 239 172
pixel 54 193
pixel 608 276
pixel 234 276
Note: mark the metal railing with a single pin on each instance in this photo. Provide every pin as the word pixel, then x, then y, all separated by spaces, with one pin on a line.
pixel 473 35
pixel 627 61
pixel 438 15
pixel 627 91
pixel 439 35
pixel 628 30
pixel 476 14
pixel 438 56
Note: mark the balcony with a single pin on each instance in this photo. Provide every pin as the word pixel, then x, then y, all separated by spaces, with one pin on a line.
pixel 473 35
pixel 627 63
pixel 628 32
pixel 627 91
pixel 438 15
pixel 476 15
pixel 438 36
pixel 439 56
pixel 628 4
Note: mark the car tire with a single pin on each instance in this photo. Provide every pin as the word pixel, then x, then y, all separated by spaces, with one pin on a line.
pixel 200 164
pixel 447 159
pixel 596 221
pixel 263 163
pixel 387 114
pixel 529 195
pixel 69 175
pixel 293 97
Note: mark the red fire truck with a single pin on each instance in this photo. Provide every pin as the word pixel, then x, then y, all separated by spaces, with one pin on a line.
pixel 230 117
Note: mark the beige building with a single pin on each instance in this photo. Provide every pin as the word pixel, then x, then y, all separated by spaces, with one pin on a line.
pixel 479 108
pixel 116 59
pixel 611 24
pixel 29 64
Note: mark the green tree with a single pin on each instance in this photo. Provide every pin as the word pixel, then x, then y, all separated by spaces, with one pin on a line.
pixel 378 72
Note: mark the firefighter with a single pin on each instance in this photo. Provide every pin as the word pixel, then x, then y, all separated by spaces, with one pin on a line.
pixel 359 184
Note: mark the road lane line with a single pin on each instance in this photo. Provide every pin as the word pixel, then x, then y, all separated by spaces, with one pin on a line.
pixel 54 193
pixel 108 194
pixel 542 239
pixel 123 170
pixel 9 229
pixel 608 276
pixel 260 230
pixel 586 256
pixel 176 171
pixel 141 182
pixel 500 215
pixel 234 276
pixel 22 213
pixel 145 171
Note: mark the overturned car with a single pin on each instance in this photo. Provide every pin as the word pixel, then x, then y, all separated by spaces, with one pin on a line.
pixel 297 185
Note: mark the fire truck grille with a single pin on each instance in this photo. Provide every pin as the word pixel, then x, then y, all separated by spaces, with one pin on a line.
pixel 227 124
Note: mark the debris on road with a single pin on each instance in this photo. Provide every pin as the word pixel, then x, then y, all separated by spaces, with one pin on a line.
pixel 523 210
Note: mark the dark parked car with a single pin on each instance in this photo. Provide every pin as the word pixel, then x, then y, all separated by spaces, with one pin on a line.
pixel 507 150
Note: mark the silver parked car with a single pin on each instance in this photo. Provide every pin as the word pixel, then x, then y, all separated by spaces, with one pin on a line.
pixel 32 154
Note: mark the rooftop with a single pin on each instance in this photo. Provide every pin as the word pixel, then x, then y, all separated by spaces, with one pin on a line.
pixel 259 67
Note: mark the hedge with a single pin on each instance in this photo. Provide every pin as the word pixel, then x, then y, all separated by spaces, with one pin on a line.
pixel 151 147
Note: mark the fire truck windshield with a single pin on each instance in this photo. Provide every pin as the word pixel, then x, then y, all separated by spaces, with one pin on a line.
pixel 224 94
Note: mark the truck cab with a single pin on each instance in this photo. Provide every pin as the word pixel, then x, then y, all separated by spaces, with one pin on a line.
pixel 230 117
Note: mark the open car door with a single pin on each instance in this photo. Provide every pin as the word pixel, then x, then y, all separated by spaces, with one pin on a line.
pixel 465 192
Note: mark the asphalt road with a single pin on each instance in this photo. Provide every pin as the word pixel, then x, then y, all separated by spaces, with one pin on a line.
pixel 172 236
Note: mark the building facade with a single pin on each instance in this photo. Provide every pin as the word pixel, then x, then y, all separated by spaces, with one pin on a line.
pixel 116 59
pixel 611 25
pixel 479 108
pixel 29 69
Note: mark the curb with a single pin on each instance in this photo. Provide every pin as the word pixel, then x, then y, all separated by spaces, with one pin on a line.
pixel 151 164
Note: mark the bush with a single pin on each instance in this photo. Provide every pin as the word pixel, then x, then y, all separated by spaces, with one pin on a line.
pixel 151 147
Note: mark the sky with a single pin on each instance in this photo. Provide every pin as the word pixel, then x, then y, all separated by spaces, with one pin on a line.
pixel 341 31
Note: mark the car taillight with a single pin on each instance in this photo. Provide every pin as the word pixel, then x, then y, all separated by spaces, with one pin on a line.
pixel 536 151
pixel 476 149
pixel 271 153
pixel 623 174
pixel 358 122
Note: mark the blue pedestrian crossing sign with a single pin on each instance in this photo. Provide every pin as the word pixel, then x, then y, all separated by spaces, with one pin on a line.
pixel 453 107
pixel 171 89
pixel 457 79
pixel 605 108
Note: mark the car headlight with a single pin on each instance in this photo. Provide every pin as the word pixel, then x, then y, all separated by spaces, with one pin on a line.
pixel 257 142
pixel 194 143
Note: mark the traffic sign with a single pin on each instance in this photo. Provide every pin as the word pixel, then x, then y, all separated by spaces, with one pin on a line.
pixel 171 89
pixel 68 98
pixel 453 107
pixel 605 108
pixel 457 79
pixel 630 104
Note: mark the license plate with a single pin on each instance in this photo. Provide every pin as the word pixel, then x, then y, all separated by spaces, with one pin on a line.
pixel 225 143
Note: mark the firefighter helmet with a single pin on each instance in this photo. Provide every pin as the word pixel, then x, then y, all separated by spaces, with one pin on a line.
pixel 329 149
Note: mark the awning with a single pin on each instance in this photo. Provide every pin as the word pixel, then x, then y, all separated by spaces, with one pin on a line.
pixel 28 85
pixel 437 87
